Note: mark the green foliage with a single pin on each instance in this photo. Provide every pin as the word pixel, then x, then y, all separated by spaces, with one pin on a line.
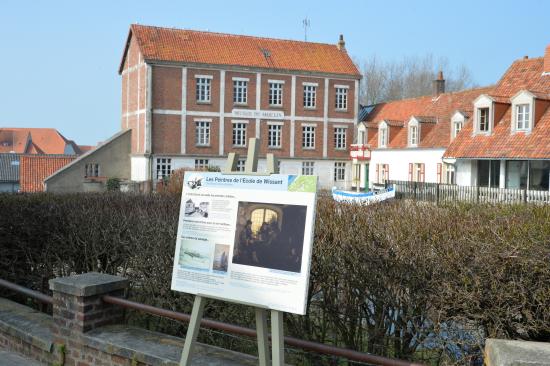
pixel 408 280
pixel 113 184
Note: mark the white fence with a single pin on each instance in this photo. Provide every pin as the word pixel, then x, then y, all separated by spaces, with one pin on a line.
pixel 451 193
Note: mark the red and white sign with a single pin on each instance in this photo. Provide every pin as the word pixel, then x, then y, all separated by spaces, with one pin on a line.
pixel 359 152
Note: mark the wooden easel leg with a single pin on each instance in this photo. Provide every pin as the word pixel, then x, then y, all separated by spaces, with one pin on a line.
pixel 277 338
pixel 261 330
pixel 192 331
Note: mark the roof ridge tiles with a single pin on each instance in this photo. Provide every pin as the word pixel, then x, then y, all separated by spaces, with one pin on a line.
pixel 234 35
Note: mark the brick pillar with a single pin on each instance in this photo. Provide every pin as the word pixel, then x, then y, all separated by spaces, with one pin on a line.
pixel 78 308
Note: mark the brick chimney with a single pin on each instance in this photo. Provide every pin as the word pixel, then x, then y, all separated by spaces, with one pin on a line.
pixel 341 43
pixel 547 60
pixel 439 84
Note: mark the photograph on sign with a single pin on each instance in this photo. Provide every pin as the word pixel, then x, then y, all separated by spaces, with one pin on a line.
pixel 246 238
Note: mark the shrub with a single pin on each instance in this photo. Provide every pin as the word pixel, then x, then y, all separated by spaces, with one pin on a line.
pixel 113 184
pixel 413 281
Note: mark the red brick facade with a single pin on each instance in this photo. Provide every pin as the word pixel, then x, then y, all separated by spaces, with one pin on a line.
pixel 161 104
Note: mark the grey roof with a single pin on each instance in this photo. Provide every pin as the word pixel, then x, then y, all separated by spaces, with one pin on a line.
pixel 364 112
pixel 9 167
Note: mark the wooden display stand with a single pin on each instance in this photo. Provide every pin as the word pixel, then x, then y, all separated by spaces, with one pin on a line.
pixel 277 332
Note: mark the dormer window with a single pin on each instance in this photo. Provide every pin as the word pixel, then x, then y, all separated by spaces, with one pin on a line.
pixel 523 111
pixel 457 127
pixel 522 117
pixel 383 135
pixel 483 119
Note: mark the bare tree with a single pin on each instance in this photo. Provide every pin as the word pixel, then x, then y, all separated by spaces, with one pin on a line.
pixel 410 77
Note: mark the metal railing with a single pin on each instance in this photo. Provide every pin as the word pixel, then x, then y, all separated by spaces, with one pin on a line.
pixel 231 328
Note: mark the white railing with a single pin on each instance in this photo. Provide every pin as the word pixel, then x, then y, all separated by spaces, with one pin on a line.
pixel 452 193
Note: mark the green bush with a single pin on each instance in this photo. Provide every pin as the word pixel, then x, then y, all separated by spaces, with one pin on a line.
pixel 400 279
pixel 113 184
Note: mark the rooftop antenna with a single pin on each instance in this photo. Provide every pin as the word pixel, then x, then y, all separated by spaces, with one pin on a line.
pixel 306 24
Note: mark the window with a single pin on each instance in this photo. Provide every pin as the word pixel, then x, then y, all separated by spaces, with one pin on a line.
pixel 202 133
pixel 240 91
pixel 383 138
pixel 308 167
pixel 260 216
pixel 457 127
pixel 164 167
pixel 339 171
pixel 483 119
pixel 241 165
pixel 275 93
pixel 201 164
pixel 274 133
pixel 413 133
pixel 449 174
pixel 382 173
pixel 522 117
pixel 308 137
pixel 339 137
pixel 488 173
pixel 310 96
pixel 361 137
pixel 203 89
pixel 239 134
pixel 91 170
pixel 341 98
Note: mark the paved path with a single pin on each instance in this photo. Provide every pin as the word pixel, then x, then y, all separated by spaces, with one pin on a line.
pixel 14 359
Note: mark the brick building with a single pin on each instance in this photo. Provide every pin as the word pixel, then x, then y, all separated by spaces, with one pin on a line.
pixel 192 97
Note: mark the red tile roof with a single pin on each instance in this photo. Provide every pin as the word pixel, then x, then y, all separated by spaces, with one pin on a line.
pixel 526 74
pixel 36 141
pixel 434 114
pixel 33 169
pixel 180 45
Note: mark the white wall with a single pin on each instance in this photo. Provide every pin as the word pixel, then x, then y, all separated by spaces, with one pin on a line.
pixel 399 159
pixel 465 171
pixel 323 168
pixel 139 168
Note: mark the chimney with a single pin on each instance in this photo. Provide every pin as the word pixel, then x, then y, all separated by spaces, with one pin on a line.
pixel 546 69
pixel 439 84
pixel 341 43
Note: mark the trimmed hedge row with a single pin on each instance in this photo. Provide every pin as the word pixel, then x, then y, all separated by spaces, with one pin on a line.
pixel 401 279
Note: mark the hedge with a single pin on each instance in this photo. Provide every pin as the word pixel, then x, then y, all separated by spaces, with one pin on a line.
pixel 402 279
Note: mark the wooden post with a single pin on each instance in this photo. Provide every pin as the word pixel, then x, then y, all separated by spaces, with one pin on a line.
pixel 277 332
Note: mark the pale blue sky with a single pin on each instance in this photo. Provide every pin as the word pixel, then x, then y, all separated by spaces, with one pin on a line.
pixel 59 59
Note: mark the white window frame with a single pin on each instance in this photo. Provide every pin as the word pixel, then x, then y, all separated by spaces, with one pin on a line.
pixel 308 168
pixel 413 132
pixel 383 135
pixel 483 119
pixel 523 116
pixel 274 135
pixel 341 94
pixel 163 168
pixel 523 99
pixel 275 94
pixel 240 91
pixel 340 134
pixel 458 119
pixel 483 102
pixel 202 164
pixel 91 170
pixel 310 95
pixel 202 132
pixel 308 137
pixel 450 173
pixel 339 171
pixel 203 90
pixel 241 164
pixel 238 133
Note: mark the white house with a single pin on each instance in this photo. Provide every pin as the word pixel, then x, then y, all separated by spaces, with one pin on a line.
pixel 405 140
pixel 507 145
